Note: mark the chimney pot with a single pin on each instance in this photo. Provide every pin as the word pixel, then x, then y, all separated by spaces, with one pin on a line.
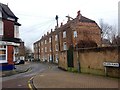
pixel 51 30
pixel 78 15
pixel 47 33
pixel 61 23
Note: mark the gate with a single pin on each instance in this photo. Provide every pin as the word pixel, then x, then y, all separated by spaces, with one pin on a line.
pixel 70 57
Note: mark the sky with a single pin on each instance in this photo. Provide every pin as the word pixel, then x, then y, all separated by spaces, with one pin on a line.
pixel 37 17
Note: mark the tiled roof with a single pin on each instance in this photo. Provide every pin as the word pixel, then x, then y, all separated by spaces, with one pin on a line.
pixel 84 19
pixel 6 12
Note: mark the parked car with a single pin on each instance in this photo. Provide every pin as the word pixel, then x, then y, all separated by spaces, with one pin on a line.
pixel 19 62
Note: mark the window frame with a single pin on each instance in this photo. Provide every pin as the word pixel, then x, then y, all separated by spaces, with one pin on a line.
pixel 64 34
pixel 2 27
pixel 4 48
pixel 75 34
pixel 64 46
pixel 56 37
pixel 16 31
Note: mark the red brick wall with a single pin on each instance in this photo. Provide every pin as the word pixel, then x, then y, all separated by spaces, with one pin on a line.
pixel 8 29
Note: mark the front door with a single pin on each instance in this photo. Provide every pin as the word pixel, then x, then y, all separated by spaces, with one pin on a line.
pixel 10 54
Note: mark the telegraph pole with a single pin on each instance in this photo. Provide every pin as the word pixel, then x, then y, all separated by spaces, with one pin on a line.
pixel 56 20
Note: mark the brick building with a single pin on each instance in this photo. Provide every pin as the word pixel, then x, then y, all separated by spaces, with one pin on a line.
pixel 71 33
pixel 9 37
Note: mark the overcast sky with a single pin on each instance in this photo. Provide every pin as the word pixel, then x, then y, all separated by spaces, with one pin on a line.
pixel 38 16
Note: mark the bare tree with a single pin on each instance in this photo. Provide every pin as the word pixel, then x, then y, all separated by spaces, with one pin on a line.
pixel 27 51
pixel 108 31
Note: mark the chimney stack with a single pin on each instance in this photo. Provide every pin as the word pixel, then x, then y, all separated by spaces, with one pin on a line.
pixel 47 33
pixel 51 31
pixel 57 20
pixel 78 15
pixel 61 24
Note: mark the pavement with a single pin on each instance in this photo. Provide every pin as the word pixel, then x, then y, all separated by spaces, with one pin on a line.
pixel 56 78
pixel 19 69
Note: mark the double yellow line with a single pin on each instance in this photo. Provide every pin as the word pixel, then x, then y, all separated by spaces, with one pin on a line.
pixel 29 83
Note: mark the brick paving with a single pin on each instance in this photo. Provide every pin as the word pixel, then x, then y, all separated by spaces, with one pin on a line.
pixel 55 78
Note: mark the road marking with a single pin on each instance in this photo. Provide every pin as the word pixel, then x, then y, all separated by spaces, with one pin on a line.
pixel 30 86
pixel 29 83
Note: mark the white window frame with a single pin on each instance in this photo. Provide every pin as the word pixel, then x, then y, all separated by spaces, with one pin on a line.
pixel 41 49
pixel 16 31
pixel 45 49
pixel 64 46
pixel 4 61
pixel 41 42
pixel 1 27
pixel 75 34
pixel 45 41
pixel 56 47
pixel 56 58
pixel 0 14
pixel 50 39
pixel 56 37
pixel 64 34
pixel 50 57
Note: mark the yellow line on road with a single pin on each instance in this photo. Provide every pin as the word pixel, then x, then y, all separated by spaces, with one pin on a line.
pixel 29 84
pixel 30 87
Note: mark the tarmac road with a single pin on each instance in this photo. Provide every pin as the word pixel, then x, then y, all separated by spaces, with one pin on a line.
pixel 21 80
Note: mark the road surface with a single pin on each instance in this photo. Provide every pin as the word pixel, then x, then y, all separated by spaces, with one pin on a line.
pixel 21 80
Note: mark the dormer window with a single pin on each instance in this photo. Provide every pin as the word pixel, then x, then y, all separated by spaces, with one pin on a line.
pixel 1 28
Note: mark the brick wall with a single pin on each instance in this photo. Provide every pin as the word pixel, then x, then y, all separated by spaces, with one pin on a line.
pixel 63 60
pixel 91 60
pixel 87 32
pixel 8 29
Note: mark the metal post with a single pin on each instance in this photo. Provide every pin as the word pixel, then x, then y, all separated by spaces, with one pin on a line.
pixel 105 71
pixel 78 62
